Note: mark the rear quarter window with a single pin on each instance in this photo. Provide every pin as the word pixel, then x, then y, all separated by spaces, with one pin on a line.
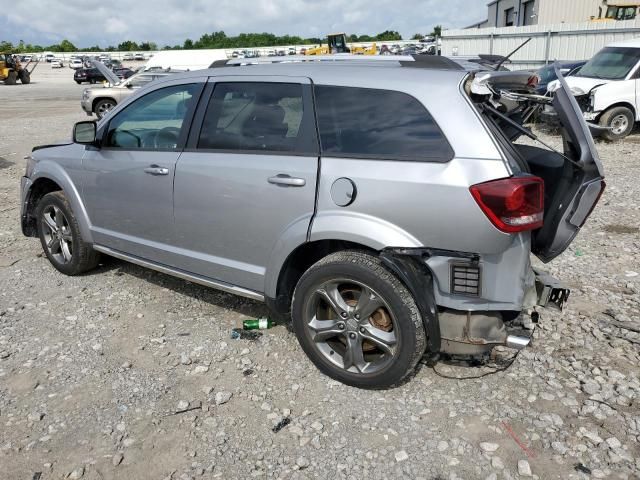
pixel 380 124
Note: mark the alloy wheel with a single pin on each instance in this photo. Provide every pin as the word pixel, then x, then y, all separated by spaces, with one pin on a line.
pixel 57 234
pixel 619 124
pixel 352 326
pixel 104 108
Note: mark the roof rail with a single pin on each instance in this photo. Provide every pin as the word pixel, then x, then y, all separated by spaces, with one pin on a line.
pixel 414 61
pixel 315 58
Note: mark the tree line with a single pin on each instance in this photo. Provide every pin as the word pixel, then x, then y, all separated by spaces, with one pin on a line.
pixel 208 40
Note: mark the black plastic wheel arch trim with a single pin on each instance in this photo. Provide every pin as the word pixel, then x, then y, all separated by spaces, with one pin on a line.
pixel 409 266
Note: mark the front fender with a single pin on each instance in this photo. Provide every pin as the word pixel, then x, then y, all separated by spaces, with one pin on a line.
pixel 615 93
pixel 53 171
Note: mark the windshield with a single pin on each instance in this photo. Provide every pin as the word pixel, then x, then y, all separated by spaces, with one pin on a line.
pixel 611 63
pixel 547 74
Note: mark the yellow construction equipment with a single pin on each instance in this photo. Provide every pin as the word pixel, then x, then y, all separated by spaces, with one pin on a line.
pixel 619 10
pixel 337 43
pixel 12 69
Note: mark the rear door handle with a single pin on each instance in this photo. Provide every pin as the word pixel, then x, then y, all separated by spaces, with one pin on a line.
pixel 283 179
pixel 156 170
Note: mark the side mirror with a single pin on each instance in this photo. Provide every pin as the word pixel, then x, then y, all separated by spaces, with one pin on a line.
pixel 85 133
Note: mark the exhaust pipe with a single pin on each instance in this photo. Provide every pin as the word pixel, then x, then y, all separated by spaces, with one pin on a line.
pixel 517 342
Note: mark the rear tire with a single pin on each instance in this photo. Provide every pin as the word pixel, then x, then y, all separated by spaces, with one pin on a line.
pixel 11 78
pixel 60 236
pixel 619 120
pixel 370 341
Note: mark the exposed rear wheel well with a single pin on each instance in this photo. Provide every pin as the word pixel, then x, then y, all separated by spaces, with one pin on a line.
pixel 299 262
pixel 39 189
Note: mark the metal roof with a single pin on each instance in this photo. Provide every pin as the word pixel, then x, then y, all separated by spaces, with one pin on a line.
pixel 431 62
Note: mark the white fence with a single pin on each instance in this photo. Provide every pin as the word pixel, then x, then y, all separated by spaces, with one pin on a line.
pixel 566 41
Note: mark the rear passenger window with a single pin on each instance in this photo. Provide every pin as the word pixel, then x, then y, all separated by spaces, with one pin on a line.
pixel 248 116
pixel 372 123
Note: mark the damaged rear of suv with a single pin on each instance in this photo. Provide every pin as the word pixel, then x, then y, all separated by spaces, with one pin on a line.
pixel 384 205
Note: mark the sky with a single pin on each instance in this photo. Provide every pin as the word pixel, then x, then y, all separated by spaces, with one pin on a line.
pixel 170 22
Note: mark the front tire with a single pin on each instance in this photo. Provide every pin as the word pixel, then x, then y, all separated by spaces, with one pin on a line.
pixel 102 107
pixel 12 76
pixel 24 77
pixel 620 122
pixel 357 322
pixel 60 237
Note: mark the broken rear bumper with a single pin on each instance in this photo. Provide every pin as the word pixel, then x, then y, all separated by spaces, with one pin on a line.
pixel 551 292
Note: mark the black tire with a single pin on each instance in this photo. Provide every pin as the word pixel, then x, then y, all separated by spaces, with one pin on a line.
pixel 100 107
pixel 24 77
pixel 619 120
pixel 92 81
pixel 407 327
pixel 78 82
pixel 11 78
pixel 82 256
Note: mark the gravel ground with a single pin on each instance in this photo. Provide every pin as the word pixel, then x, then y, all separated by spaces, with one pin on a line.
pixel 126 373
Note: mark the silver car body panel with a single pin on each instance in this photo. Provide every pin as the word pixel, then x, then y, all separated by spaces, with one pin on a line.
pixel 63 165
pixel 207 282
pixel 214 222
pixel 130 210
pixel 234 240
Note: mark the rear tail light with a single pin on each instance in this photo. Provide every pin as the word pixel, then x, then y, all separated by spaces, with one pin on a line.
pixel 512 204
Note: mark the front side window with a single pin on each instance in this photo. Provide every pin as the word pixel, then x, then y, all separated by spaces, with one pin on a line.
pixel 611 63
pixel 154 121
pixel 372 123
pixel 253 116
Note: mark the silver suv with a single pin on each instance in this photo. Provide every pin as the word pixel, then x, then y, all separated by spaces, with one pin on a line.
pixel 383 205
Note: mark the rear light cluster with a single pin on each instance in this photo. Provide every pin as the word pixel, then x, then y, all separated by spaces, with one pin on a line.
pixel 513 204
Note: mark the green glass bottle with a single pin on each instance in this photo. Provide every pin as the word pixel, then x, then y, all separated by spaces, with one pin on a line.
pixel 258 324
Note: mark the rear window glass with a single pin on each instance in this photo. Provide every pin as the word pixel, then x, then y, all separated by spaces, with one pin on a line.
pixel 372 123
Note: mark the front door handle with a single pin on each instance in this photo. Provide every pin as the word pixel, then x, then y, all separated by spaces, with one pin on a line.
pixel 286 180
pixel 156 170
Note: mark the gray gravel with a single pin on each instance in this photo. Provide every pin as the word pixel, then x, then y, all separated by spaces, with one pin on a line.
pixel 125 373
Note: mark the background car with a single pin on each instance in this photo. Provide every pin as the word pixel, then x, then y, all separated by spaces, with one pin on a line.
pixel 76 63
pixel 547 74
pixel 127 57
pixel 123 72
pixel 90 75
pixel 56 63
pixel 607 89
pixel 99 101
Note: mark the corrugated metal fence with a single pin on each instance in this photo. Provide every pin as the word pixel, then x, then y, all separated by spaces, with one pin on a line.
pixel 566 41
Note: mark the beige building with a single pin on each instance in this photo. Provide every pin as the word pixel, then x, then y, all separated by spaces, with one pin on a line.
pixel 514 13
